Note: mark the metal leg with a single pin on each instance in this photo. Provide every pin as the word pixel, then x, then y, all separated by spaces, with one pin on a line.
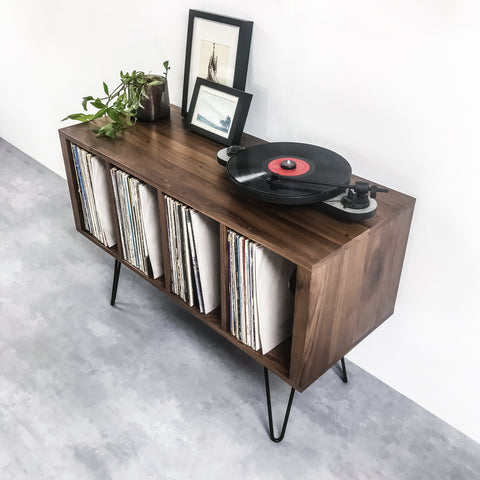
pixel 269 407
pixel 116 274
pixel 344 371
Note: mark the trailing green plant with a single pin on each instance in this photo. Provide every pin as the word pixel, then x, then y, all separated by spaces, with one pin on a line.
pixel 121 104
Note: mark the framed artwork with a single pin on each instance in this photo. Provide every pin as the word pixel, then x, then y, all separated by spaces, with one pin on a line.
pixel 218 112
pixel 218 48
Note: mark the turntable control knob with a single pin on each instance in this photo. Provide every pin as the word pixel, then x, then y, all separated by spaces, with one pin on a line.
pixel 288 164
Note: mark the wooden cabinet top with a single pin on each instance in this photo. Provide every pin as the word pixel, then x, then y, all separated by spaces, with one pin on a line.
pixel 182 164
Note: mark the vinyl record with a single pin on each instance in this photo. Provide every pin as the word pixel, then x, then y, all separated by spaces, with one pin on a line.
pixel 289 173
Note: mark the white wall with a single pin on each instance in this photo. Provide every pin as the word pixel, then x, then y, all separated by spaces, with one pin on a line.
pixel 391 85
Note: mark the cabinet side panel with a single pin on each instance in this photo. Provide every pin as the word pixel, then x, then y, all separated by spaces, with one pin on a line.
pixel 382 271
pixel 316 298
pixel 349 295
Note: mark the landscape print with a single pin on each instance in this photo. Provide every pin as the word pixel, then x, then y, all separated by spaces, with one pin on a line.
pixel 215 111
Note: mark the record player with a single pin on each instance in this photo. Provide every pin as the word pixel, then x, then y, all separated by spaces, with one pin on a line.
pixel 289 173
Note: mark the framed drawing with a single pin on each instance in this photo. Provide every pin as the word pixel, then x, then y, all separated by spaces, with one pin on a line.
pixel 218 48
pixel 218 112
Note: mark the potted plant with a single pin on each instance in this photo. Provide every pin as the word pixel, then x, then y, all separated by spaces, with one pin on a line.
pixel 138 96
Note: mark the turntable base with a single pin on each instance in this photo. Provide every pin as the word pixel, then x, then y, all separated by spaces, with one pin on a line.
pixel 288 173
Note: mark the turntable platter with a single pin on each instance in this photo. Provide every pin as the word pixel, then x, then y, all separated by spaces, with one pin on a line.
pixel 289 173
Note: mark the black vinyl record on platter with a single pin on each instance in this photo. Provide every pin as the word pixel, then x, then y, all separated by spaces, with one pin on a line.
pixel 289 173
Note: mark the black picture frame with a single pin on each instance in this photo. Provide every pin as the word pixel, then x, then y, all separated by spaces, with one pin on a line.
pixel 232 35
pixel 208 99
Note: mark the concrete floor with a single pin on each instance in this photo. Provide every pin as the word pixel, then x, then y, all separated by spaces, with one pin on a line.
pixel 145 391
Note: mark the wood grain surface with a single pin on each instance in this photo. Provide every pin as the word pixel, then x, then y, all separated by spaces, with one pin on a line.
pixel 347 273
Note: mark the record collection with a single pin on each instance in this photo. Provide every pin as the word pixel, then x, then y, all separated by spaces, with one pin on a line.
pixel 194 249
pixel 92 182
pixel 138 221
pixel 261 298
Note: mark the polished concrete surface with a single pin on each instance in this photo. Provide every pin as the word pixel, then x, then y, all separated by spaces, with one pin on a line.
pixel 145 391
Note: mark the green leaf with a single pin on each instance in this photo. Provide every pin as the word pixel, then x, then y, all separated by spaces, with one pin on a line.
pixel 82 117
pixel 166 65
pixel 100 113
pixel 113 114
pixel 98 103
pixel 105 131
pixel 111 129
pixel 105 88
pixel 85 100
pixel 119 105
pixel 110 133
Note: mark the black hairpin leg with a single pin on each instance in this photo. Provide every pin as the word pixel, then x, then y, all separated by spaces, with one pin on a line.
pixel 269 407
pixel 344 371
pixel 116 274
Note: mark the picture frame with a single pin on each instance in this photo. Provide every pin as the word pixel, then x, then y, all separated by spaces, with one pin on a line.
pixel 218 112
pixel 216 45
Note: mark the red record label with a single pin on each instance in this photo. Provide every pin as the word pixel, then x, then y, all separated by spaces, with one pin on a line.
pixel 301 166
